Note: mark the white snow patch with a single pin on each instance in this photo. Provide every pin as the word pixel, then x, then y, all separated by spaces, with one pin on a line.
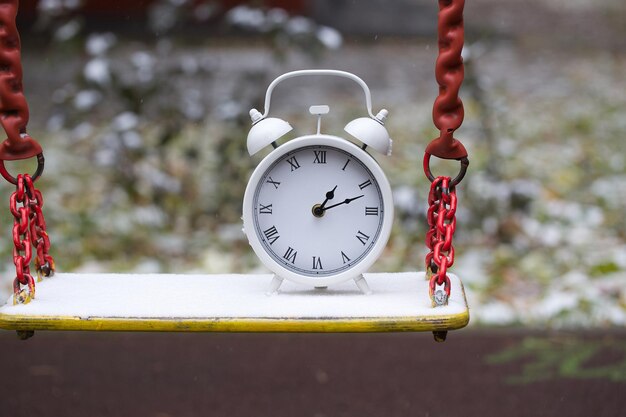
pixel 142 59
pixel 125 121
pixel 132 139
pixel 299 25
pixel 97 71
pixel 556 302
pixel 98 44
pixel 276 17
pixel 246 17
pixel 189 65
pixel 82 131
pixel 67 31
pixel 495 313
pixel 405 198
pixel 86 99
pixel 329 37
pixel 215 296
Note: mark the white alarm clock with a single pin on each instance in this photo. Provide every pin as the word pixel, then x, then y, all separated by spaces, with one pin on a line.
pixel 318 209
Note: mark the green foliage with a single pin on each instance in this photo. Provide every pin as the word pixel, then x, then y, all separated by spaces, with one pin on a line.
pixel 603 268
pixel 555 358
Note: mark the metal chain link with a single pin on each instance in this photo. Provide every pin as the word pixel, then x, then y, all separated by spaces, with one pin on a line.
pixel 29 228
pixel 441 217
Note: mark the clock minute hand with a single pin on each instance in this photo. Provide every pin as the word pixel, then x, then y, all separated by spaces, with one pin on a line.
pixel 346 201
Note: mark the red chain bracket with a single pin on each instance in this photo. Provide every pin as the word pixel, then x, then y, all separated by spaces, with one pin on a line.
pixel 448 116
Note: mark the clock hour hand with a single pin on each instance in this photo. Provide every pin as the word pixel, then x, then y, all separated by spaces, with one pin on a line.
pixel 346 201
pixel 329 196
pixel 318 209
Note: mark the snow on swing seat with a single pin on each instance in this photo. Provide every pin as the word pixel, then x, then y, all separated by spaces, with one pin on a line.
pixel 233 303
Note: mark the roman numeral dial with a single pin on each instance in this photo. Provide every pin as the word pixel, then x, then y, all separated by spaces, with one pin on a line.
pixel 362 237
pixel 271 235
pixel 365 184
pixel 293 163
pixel 371 211
pixel 265 209
pixel 317 211
pixel 290 255
pixel 320 157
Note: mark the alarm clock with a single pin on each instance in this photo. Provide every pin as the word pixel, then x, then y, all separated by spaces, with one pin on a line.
pixel 318 209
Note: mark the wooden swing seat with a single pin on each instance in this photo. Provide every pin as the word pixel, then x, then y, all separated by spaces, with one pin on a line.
pixel 233 303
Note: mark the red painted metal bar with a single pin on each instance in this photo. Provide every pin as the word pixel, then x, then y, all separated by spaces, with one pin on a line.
pixel 448 108
pixel 13 106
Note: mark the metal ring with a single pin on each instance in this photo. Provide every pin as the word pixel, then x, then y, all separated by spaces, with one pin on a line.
pixel 464 164
pixel 10 178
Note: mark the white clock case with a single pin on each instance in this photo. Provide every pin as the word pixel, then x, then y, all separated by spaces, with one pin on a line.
pixel 248 210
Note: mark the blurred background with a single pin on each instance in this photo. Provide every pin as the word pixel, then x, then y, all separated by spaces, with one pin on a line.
pixel 142 110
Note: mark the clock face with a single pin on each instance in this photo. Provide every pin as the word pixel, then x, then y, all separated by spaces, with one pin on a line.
pixel 319 209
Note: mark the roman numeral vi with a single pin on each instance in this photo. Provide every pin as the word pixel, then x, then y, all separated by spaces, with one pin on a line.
pixel 317 263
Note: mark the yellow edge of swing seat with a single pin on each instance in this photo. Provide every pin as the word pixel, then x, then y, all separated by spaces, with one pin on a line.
pixel 233 303
pixel 377 324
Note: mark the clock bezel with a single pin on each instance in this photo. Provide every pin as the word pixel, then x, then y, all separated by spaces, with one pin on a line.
pixel 387 200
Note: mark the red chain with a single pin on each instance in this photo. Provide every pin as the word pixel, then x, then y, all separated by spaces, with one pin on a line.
pixel 29 228
pixel 442 225
pixel 447 116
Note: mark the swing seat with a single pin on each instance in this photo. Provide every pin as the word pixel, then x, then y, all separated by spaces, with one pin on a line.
pixel 233 303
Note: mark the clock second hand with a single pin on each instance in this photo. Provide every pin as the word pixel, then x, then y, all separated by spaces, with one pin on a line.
pixel 346 201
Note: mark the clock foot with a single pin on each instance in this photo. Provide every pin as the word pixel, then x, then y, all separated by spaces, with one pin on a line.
pixel 274 285
pixel 321 288
pixel 362 284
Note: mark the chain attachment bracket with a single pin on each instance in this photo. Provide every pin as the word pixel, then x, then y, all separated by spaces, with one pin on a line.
pixel 10 178
pixel 462 171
